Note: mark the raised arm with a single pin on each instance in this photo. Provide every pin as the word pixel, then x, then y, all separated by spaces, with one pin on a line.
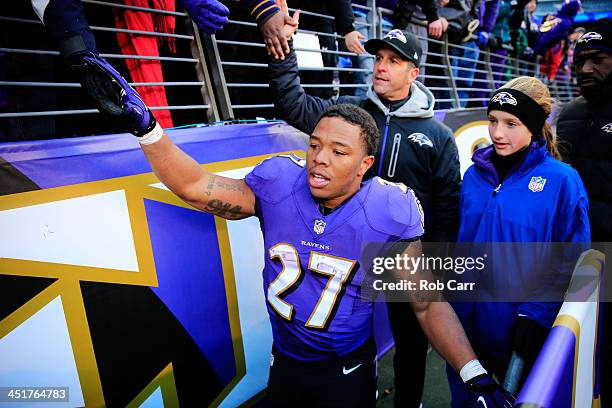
pixel 436 317
pixel 292 103
pixel 443 329
pixel 221 196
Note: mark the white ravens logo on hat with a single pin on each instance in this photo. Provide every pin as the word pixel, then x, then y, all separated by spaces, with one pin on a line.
pixel 591 35
pixel 607 128
pixel 504 97
pixel 397 34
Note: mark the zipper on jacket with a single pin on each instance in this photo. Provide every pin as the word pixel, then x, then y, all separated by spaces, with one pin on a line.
pixel 496 190
pixel 397 138
pixel 382 148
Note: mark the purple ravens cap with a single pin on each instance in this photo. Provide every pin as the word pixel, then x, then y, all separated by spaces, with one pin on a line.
pixel 404 42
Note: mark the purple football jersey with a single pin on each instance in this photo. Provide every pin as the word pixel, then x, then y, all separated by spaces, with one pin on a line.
pixel 312 275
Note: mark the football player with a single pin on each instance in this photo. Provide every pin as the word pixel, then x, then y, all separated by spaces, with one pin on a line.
pixel 315 215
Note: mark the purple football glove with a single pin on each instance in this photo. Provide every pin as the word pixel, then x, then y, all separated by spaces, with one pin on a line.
pixel 487 393
pixel 112 94
pixel 209 15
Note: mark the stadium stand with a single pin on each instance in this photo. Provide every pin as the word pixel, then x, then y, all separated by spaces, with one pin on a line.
pixel 210 78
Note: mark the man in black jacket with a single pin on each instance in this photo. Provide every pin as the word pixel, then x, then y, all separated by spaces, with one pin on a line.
pixel 585 133
pixel 585 125
pixel 415 149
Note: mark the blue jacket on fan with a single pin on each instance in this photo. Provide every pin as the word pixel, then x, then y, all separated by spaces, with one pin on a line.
pixel 554 209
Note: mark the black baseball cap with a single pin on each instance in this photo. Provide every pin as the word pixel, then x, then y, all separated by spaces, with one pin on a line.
pixel 404 42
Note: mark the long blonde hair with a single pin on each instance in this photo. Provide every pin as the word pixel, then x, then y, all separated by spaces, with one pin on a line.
pixel 536 90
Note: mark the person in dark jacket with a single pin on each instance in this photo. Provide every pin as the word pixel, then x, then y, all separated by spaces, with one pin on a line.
pixel 415 149
pixel 584 130
pixel 464 17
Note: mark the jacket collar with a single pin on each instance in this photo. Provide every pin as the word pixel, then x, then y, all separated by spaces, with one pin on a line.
pixel 536 153
pixel 419 105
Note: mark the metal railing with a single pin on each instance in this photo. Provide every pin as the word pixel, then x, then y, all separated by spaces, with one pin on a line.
pixel 456 79
pixel 189 52
pixel 458 88
pixel 239 47
pixel 230 68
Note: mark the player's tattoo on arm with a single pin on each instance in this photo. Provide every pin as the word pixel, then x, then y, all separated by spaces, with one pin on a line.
pixel 229 186
pixel 210 185
pixel 222 209
pixel 218 182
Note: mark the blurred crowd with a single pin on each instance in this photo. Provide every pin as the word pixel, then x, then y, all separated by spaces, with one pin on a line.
pixel 503 29
pixel 480 33
pixel 484 37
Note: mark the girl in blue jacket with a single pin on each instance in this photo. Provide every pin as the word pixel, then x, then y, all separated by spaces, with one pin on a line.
pixel 517 190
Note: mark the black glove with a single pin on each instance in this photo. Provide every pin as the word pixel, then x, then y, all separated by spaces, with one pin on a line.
pixel 487 393
pixel 112 93
pixel 528 337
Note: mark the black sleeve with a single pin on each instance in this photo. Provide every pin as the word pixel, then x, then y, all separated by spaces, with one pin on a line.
pixel 261 11
pixel 602 212
pixel 430 8
pixel 476 10
pixel 293 105
pixel 65 23
pixel 403 13
pixel 446 191
pixel 566 135
pixel 517 15
pixel 343 13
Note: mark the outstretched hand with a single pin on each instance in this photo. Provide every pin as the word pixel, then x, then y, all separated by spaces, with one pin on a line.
pixel 113 95
pixel 278 29
pixel 436 28
pixel 353 42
